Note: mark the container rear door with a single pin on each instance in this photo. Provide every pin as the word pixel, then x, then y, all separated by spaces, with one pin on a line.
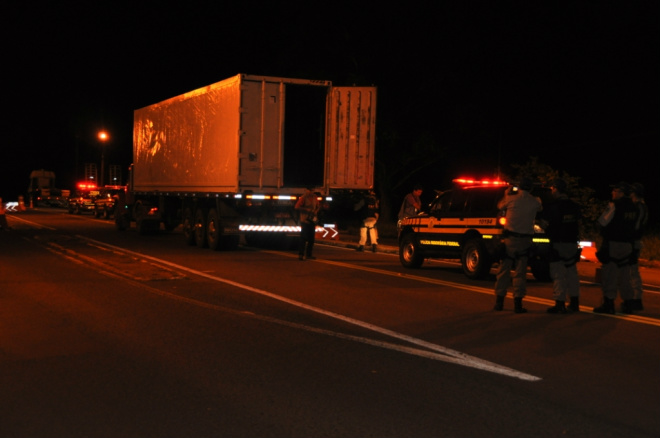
pixel 262 118
pixel 350 137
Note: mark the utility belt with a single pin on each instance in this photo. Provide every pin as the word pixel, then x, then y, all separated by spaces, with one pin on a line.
pixel 507 233
pixel 603 254
pixel 567 260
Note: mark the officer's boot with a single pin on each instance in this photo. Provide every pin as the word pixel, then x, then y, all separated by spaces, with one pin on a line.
pixel 627 307
pixel 360 248
pixel 606 307
pixel 574 306
pixel 499 303
pixel 559 307
pixel 517 305
pixel 373 247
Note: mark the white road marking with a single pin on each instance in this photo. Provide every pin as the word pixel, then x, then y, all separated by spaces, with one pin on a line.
pixel 437 352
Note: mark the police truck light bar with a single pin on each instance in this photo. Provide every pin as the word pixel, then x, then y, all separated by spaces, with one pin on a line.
pixel 468 181
pixel 86 186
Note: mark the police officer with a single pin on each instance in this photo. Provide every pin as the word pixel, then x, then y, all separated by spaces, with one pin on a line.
pixel 369 209
pixel 561 222
pixel 521 208
pixel 308 208
pixel 637 196
pixel 617 224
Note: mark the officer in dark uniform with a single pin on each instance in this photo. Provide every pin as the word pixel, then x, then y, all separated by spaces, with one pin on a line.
pixel 617 224
pixel 637 196
pixel 561 222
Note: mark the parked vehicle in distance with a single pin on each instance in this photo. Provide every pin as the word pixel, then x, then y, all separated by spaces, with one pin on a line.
pixel 42 191
pixel 464 223
pixel 83 198
pixel 105 203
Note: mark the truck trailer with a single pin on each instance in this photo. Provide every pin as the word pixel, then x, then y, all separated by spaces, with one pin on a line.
pixel 231 159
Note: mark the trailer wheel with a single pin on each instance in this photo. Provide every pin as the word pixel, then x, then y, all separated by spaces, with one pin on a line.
pixel 200 228
pixel 188 227
pixel 213 230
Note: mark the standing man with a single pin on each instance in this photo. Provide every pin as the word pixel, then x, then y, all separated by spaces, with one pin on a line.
pixel 412 203
pixel 307 207
pixel 637 196
pixel 521 209
pixel 369 209
pixel 617 228
pixel 561 220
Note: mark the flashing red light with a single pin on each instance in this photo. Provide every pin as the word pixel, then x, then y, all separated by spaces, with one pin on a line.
pixel 86 186
pixel 468 181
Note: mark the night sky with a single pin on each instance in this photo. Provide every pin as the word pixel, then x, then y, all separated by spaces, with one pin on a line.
pixel 493 83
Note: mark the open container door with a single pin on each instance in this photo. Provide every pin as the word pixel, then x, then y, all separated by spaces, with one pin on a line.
pixel 350 137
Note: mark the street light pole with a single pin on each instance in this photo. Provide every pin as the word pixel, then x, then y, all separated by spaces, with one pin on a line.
pixel 103 137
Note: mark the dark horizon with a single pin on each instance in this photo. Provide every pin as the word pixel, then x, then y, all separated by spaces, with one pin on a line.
pixel 489 84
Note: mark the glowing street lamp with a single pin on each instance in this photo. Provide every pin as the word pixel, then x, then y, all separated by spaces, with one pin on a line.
pixel 103 138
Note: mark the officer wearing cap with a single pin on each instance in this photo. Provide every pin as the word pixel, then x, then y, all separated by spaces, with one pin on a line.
pixel 560 220
pixel 520 209
pixel 617 224
pixel 637 196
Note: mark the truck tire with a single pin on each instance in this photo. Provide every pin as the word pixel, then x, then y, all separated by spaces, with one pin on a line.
pixel 213 230
pixel 188 226
pixel 97 213
pixel 106 213
pixel 200 228
pixel 410 253
pixel 475 260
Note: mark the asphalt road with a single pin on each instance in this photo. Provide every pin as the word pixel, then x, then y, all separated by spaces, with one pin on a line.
pixel 114 334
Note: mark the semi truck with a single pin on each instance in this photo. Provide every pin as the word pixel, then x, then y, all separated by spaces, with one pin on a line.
pixel 231 159
pixel 42 190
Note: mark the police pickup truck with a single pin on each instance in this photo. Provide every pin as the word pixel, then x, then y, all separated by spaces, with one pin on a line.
pixel 464 223
pixel 82 199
